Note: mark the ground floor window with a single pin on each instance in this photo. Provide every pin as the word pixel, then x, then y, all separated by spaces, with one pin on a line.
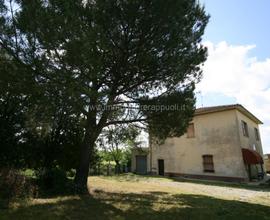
pixel 208 163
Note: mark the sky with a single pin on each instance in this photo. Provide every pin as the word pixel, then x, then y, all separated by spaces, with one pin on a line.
pixel 238 66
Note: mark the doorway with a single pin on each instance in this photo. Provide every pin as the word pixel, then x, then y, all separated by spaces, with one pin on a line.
pixel 141 164
pixel 161 167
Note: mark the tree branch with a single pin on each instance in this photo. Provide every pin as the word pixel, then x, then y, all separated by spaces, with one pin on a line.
pixel 125 121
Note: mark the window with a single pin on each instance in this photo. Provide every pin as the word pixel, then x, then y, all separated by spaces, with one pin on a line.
pixel 190 131
pixel 257 136
pixel 208 163
pixel 245 129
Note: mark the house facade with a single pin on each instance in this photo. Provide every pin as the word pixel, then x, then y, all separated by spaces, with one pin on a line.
pixel 221 142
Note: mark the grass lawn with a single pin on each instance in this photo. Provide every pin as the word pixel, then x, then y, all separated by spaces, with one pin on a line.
pixel 139 197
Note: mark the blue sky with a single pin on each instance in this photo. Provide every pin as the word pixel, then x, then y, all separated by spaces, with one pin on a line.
pixel 240 22
pixel 238 66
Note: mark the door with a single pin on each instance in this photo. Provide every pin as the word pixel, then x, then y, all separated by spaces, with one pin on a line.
pixel 141 164
pixel 161 167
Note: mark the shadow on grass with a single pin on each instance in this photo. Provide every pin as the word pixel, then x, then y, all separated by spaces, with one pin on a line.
pixel 152 205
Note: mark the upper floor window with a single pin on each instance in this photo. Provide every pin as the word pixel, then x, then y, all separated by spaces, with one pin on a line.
pixel 190 131
pixel 208 163
pixel 245 128
pixel 257 136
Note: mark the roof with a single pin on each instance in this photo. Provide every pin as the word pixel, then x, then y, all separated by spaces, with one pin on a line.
pixel 251 156
pixel 212 109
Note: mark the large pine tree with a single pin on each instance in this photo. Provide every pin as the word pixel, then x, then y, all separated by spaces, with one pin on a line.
pixel 114 61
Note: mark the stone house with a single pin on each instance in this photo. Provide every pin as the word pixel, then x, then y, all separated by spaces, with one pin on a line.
pixel 221 143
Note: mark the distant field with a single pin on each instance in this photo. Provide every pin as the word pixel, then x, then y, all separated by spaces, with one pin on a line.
pixel 139 197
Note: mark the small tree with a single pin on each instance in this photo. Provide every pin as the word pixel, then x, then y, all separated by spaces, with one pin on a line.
pixel 115 142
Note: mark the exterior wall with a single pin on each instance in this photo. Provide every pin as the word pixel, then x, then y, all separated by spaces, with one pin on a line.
pixel 249 142
pixel 139 151
pixel 215 134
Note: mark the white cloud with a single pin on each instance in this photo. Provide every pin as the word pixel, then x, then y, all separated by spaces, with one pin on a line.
pixel 230 70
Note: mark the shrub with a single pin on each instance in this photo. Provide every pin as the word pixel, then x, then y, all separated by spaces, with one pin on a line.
pixel 53 181
pixel 15 185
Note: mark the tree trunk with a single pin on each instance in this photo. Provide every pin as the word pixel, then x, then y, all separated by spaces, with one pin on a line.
pixel 91 134
pixel 117 167
pixel 83 169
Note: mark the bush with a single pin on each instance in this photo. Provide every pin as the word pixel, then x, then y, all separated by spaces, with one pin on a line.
pixel 15 185
pixel 53 181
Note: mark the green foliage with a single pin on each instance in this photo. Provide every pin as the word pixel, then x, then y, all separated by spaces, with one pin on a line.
pixel 13 107
pixel 116 143
pixel 57 142
pixel 15 185
pixel 126 159
pixel 53 181
pixel 173 121
pixel 35 131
